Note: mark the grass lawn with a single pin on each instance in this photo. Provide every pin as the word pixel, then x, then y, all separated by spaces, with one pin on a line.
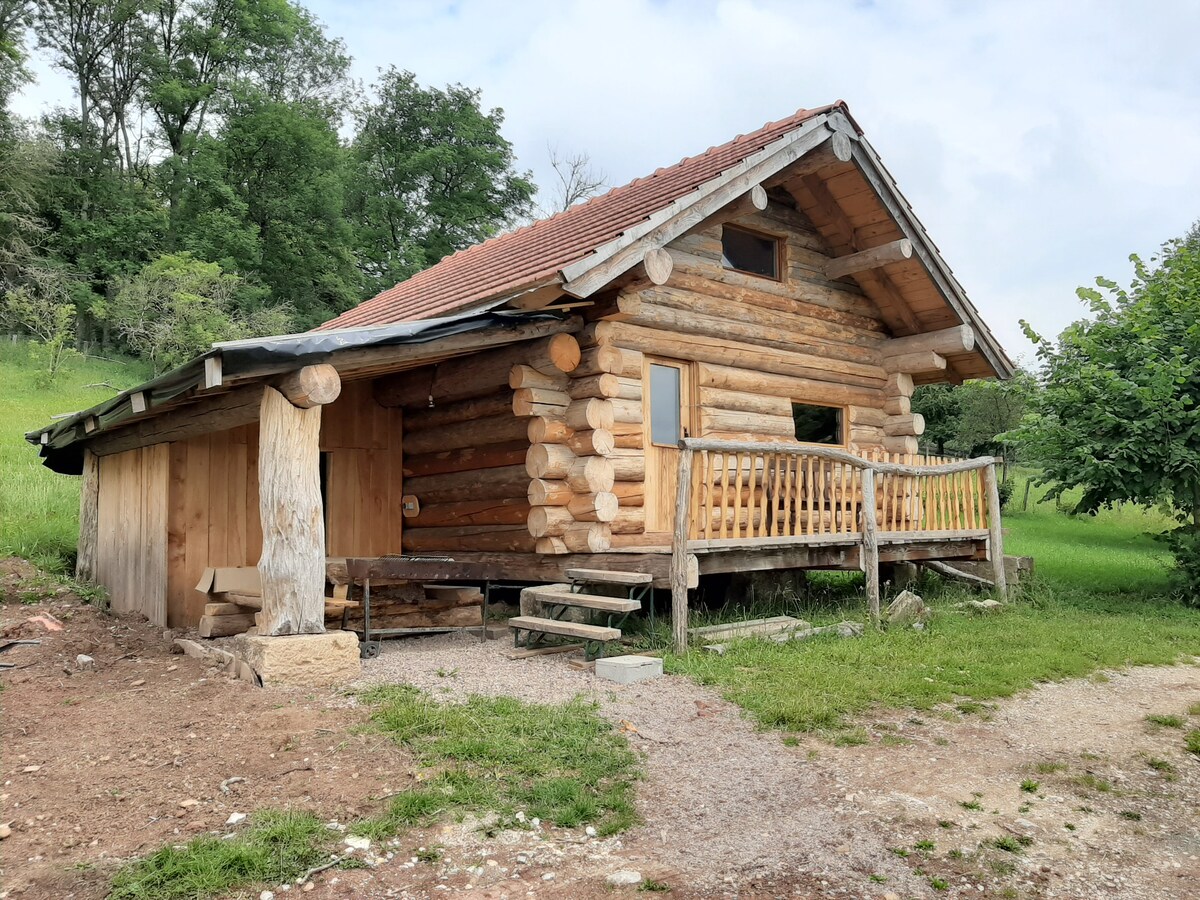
pixel 39 510
pixel 1100 599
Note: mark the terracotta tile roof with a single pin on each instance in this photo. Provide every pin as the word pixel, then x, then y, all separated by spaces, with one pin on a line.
pixel 507 263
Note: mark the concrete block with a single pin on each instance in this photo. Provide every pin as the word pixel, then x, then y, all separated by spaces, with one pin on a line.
pixel 628 669
pixel 302 660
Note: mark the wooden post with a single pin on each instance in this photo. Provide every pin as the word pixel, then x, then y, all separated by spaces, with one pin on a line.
pixel 995 534
pixel 870 543
pixel 89 517
pixel 292 565
pixel 679 579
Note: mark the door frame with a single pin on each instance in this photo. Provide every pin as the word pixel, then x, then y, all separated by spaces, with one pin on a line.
pixel 662 460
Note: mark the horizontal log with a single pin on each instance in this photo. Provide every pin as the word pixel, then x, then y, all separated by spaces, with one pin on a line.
pixel 749 423
pixel 481 538
pixel 486 484
pixel 560 353
pixel 630 493
pixel 550 546
pixel 548 430
pixel 310 386
pixel 545 492
pixel 549 461
pixel 657 263
pixel 713 351
pixel 609 360
pixel 631 467
pixel 220 412
pixel 627 412
pixel 550 521
pixel 899 384
pixel 521 376
pixel 835 454
pixel 947 342
pixel 495 429
pixel 511 511
pixel 867 415
pixel 781 385
pixel 499 403
pixel 897 406
pixel 589 414
pixel 224 626
pixel 605 386
pixel 724 340
pixel 584 537
pixel 599 442
pixel 600 507
pixel 899 426
pixel 628 520
pixel 532 401
pixel 742 401
pixel 591 475
pixel 915 363
pixel 466 459
pixel 874 258
pixel 901 444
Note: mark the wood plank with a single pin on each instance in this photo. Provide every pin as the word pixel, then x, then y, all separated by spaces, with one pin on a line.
pixel 568 629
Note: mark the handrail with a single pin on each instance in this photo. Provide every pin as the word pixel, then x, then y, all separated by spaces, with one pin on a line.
pixel 863 506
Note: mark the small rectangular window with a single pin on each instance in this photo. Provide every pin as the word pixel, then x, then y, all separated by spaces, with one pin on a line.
pixel 746 251
pixel 665 405
pixel 817 424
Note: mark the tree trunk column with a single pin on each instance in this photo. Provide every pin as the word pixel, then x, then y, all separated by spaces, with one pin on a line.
pixel 89 518
pixel 292 565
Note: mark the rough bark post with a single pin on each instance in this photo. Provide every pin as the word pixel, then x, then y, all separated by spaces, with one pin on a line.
pixel 679 579
pixel 89 517
pixel 870 543
pixel 292 565
pixel 995 534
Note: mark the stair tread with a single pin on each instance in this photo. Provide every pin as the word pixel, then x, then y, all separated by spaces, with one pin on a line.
pixel 606 576
pixel 571 629
pixel 562 596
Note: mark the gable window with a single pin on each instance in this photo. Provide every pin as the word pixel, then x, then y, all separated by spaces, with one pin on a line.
pixel 748 251
pixel 817 424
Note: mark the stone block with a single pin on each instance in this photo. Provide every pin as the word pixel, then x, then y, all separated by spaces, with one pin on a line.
pixel 628 669
pixel 302 660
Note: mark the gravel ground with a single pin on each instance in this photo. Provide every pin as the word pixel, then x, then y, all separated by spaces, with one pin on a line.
pixel 722 802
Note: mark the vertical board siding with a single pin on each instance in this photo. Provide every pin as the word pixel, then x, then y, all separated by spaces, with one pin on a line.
pixel 132 533
pixel 212 515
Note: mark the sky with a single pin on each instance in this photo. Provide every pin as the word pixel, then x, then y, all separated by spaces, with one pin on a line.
pixel 1040 143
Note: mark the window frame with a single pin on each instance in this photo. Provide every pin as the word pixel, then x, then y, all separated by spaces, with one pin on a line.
pixel 683 367
pixel 777 240
pixel 843 420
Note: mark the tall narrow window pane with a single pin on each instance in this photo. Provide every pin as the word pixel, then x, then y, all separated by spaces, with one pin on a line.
pixel 665 425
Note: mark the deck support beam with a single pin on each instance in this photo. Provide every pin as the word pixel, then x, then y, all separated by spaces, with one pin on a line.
pixel 870 544
pixel 995 532
pixel 679 548
pixel 89 517
pixel 292 565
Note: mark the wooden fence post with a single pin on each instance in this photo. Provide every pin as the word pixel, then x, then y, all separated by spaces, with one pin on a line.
pixel 870 542
pixel 679 574
pixel 995 533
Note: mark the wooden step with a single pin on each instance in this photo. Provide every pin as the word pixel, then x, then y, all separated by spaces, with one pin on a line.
pixel 568 629
pixel 604 576
pixel 560 595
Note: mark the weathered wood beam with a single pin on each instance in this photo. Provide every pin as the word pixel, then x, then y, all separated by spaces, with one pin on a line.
pixel 216 413
pixel 658 265
pixel 753 201
pixel 212 372
pixel 311 386
pixel 137 402
pixel 870 544
pixel 946 342
pixel 995 532
pixel 874 258
pixel 292 565
pixel 679 552
pixel 915 363
pixel 89 518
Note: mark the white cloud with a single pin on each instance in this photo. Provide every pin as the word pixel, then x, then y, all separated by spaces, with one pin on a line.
pixel 1040 143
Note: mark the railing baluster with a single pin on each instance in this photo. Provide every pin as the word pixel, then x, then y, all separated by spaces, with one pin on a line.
pixel 808 487
pixel 737 499
pixel 724 495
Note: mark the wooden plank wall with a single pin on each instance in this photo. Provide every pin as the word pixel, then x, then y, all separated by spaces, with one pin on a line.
pixel 214 517
pixel 131 560
pixel 756 344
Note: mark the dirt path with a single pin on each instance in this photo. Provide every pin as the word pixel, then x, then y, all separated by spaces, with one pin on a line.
pixel 103 764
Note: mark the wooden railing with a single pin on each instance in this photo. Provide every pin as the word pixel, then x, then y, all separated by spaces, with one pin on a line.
pixel 734 494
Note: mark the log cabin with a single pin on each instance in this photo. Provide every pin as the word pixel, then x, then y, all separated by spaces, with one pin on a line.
pixel 706 370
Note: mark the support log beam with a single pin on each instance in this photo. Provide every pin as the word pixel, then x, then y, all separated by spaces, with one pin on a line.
pixel 915 363
pixel 874 258
pixel 311 386
pixel 947 342
pixel 292 565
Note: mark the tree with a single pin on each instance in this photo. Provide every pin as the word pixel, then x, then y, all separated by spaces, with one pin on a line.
pixel 1119 414
pixel 938 405
pixel 15 16
pixel 434 175
pixel 577 180
pixel 989 411
pixel 43 308
pixel 178 306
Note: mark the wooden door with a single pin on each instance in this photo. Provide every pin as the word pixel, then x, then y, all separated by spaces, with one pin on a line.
pixel 667 389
